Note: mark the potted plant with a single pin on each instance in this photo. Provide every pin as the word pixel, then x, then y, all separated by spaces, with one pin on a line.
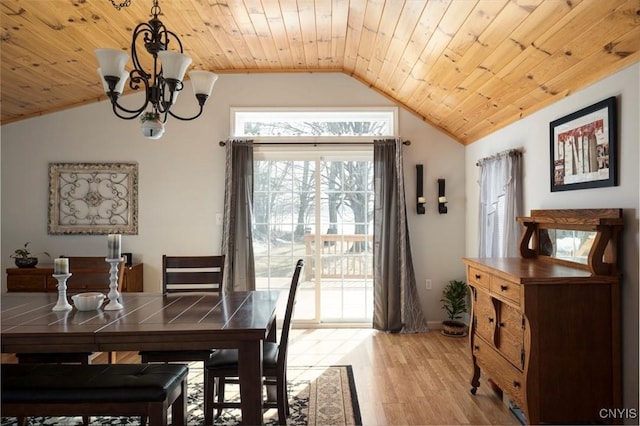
pixel 454 302
pixel 23 257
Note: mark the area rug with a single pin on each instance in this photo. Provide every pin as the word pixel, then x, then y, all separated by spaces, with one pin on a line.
pixel 317 396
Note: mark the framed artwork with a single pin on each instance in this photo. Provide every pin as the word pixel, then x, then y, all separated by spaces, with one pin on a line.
pixel 583 147
pixel 93 198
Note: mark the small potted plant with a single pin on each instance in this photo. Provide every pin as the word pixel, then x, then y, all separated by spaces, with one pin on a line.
pixel 23 257
pixel 454 302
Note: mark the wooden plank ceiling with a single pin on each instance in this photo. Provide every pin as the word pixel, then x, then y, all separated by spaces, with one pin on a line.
pixel 467 67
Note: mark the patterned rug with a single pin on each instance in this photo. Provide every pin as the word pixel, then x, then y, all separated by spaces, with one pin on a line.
pixel 317 396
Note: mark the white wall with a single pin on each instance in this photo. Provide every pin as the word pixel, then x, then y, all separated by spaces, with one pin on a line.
pixel 181 175
pixel 532 134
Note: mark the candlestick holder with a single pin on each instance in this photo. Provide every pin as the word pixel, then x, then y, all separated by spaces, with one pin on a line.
pixel 113 295
pixel 62 304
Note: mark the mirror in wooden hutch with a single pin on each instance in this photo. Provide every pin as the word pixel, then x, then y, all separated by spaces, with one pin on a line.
pixel 586 238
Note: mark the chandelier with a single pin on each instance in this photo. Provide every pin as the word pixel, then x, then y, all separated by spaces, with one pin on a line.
pixel 161 83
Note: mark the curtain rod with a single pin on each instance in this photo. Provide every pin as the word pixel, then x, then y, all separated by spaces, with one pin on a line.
pixel 223 143
pixel 516 151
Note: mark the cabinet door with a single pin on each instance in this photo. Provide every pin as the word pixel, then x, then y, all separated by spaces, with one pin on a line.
pixel 510 341
pixel 485 315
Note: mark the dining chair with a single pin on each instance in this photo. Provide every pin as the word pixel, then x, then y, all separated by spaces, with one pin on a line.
pixel 223 365
pixel 192 273
pixel 188 274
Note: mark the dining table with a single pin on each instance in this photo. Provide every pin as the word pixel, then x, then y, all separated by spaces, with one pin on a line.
pixel 151 321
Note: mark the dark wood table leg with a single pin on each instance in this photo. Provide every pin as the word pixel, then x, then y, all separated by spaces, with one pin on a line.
pixel 250 375
pixel 271 336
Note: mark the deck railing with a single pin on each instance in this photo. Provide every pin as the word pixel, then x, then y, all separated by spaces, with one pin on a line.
pixel 342 256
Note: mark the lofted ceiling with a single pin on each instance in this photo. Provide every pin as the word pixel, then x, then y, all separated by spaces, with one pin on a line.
pixel 467 67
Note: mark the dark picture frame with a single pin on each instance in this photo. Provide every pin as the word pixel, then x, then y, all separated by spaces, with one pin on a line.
pixel 583 148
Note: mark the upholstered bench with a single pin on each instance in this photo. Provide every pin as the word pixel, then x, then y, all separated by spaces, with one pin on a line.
pixel 54 358
pixel 145 390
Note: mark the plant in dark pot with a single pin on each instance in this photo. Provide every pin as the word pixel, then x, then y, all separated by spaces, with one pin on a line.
pixel 454 302
pixel 24 258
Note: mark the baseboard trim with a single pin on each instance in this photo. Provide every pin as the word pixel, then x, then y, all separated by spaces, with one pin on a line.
pixel 434 325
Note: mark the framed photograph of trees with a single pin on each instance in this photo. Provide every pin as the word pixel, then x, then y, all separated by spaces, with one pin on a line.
pixel 583 147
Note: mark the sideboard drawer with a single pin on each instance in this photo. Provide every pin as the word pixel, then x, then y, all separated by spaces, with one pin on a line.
pixel 27 283
pixel 505 375
pixel 479 278
pixel 506 289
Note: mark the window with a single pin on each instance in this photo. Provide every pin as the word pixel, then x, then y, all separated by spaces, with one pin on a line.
pixel 318 122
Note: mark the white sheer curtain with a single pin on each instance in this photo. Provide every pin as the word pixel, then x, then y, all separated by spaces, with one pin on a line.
pixel 500 203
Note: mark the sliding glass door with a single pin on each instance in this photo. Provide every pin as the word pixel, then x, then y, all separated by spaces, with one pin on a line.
pixel 316 206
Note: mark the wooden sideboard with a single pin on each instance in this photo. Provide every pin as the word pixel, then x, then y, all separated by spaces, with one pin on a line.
pixel 40 279
pixel 546 330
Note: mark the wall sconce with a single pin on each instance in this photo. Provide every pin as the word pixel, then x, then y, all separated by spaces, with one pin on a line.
pixel 420 208
pixel 442 200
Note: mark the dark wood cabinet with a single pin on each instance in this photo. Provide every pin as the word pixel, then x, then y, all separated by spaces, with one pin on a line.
pixel 545 329
pixel 132 280
pixel 40 279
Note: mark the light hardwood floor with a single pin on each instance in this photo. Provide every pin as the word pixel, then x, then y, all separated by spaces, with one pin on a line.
pixel 404 379
pixel 401 379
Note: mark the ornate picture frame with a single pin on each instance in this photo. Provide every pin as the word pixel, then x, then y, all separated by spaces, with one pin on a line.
pixel 583 148
pixel 93 198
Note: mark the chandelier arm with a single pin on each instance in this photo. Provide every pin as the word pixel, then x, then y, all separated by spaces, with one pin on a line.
pixel 134 83
pixel 135 114
pixel 136 77
pixel 187 118
pixel 168 88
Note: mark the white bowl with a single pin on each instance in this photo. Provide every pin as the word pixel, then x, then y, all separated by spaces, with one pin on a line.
pixel 88 301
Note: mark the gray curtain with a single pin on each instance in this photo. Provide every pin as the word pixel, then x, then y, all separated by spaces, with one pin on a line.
pixel 396 304
pixel 239 267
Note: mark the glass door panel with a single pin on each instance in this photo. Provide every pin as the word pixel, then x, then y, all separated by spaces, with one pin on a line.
pixel 283 197
pixel 333 236
pixel 346 290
